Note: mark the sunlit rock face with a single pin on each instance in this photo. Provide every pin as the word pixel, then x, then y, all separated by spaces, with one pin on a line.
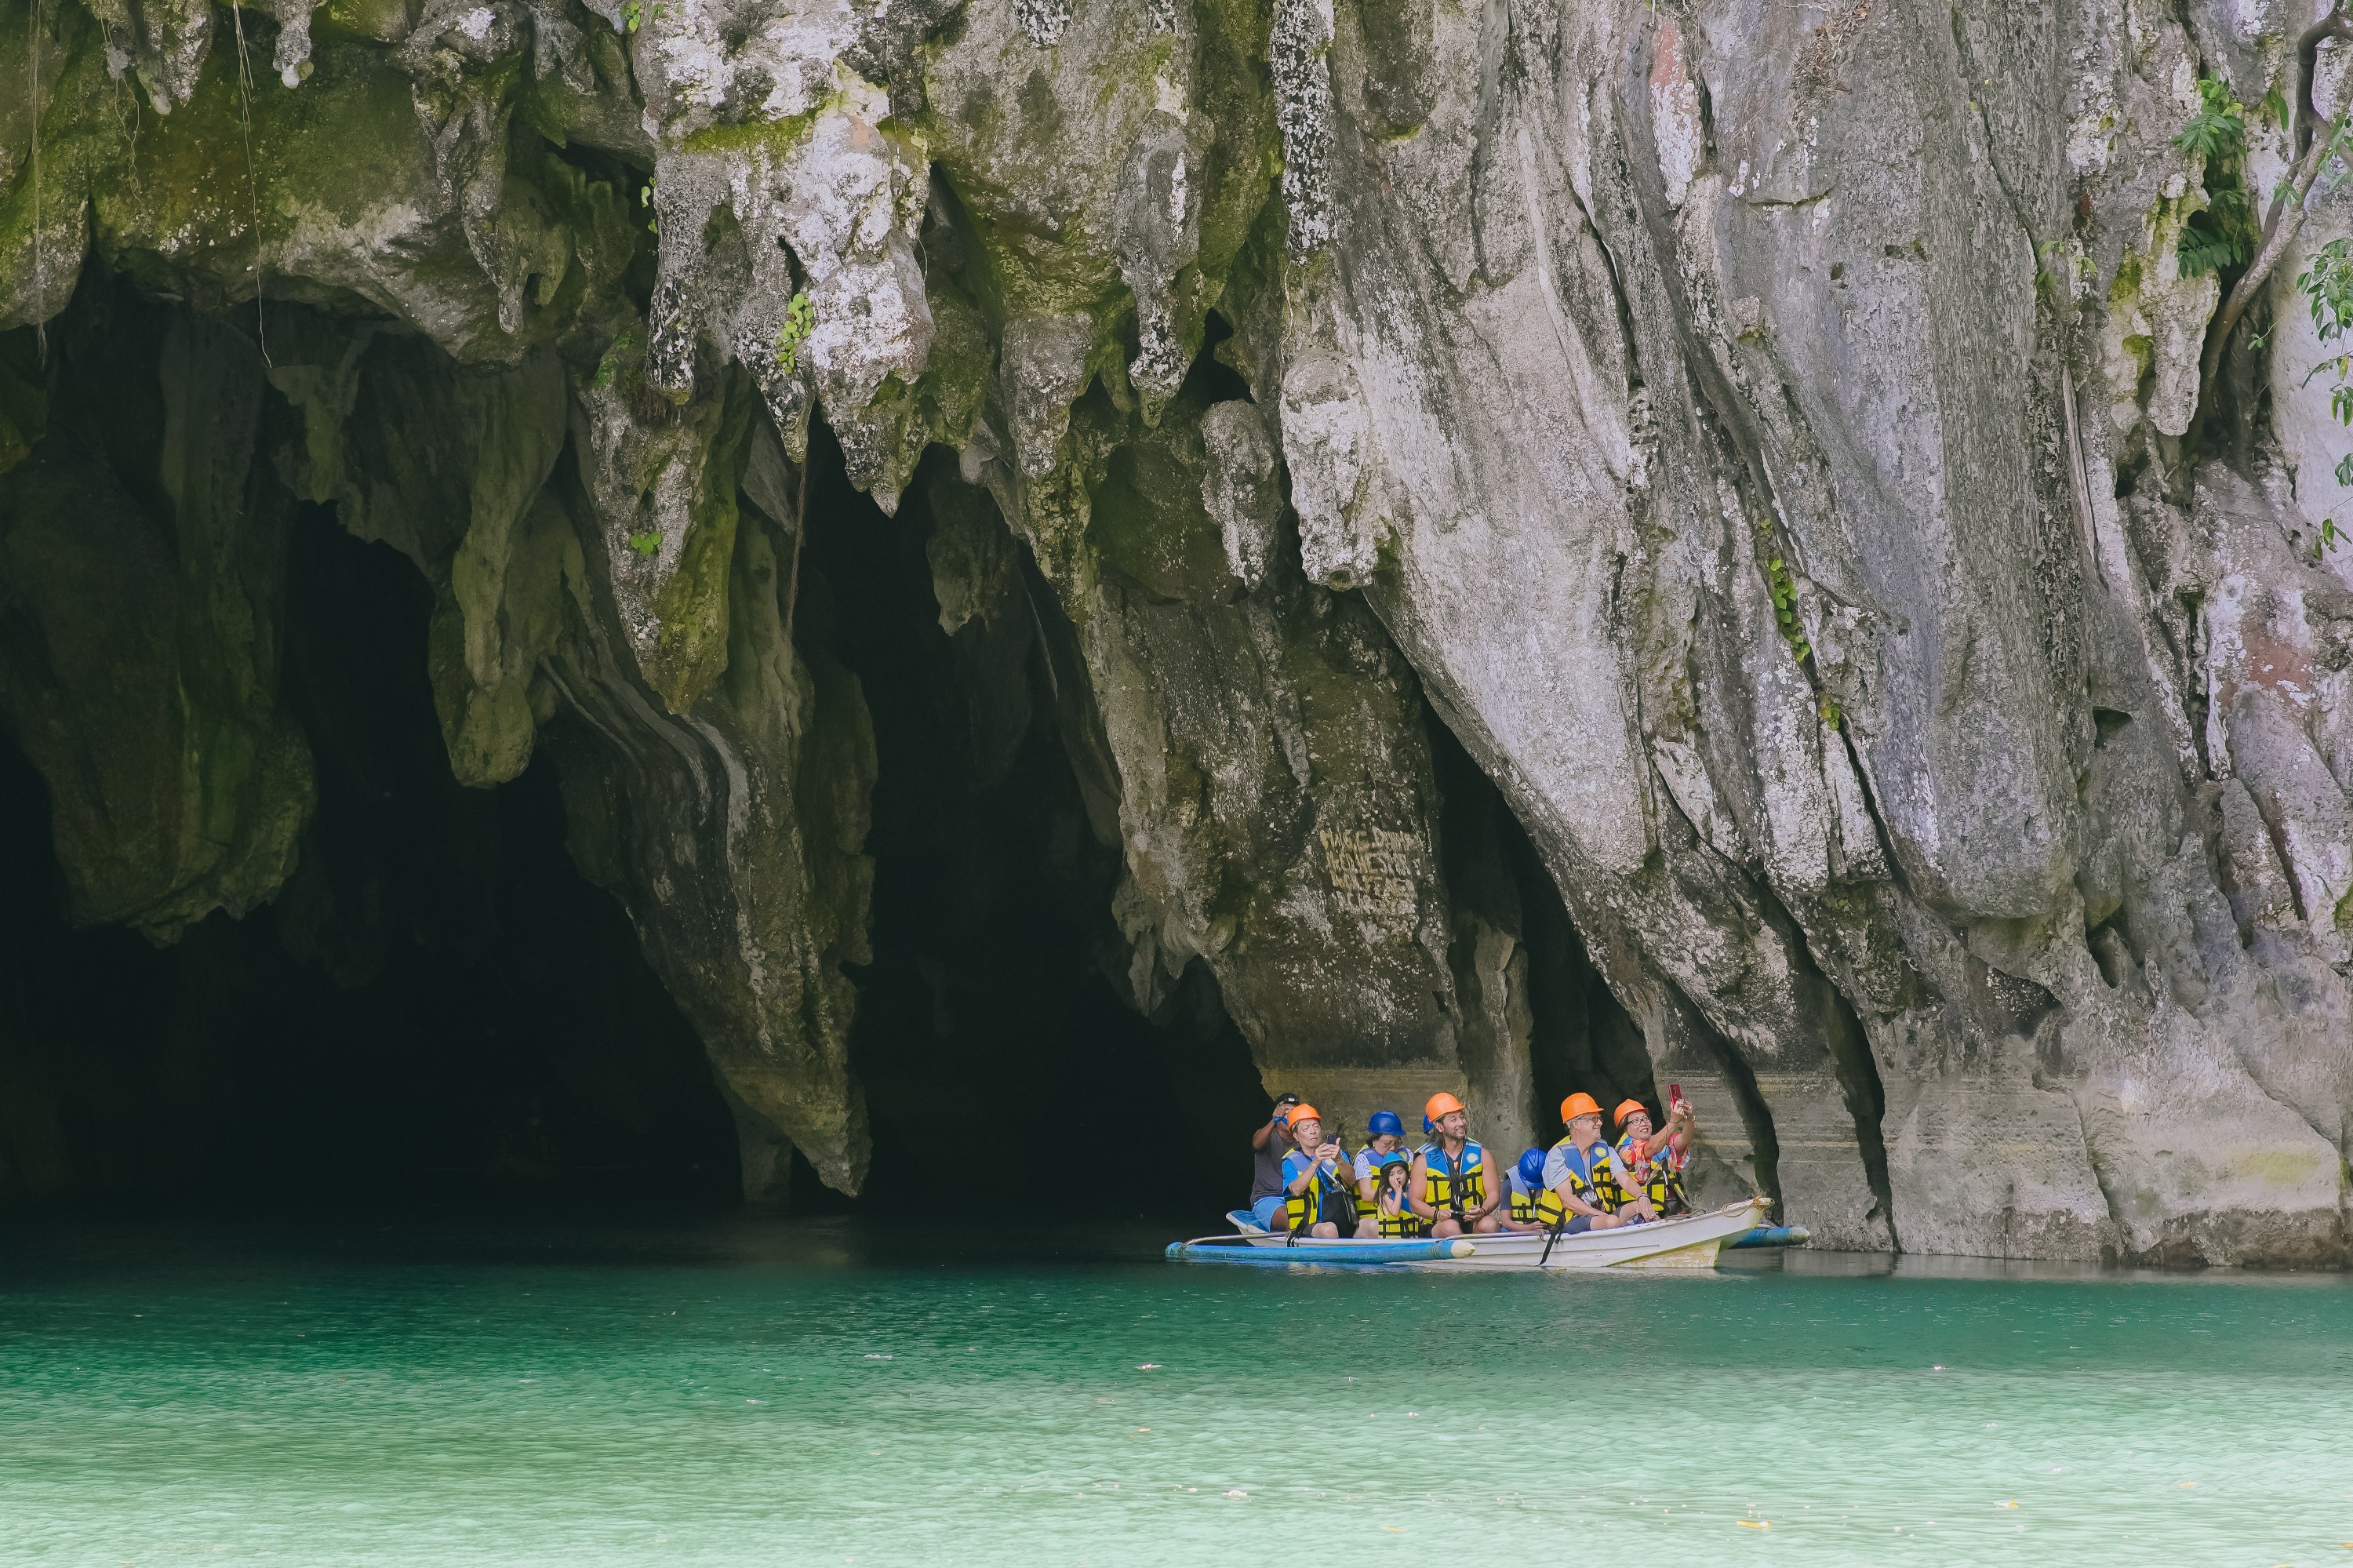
pixel 1771 443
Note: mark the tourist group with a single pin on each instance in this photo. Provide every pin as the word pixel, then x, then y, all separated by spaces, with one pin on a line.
pixel 1449 1187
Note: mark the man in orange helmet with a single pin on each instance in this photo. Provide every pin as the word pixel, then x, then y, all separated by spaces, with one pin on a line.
pixel 1450 1186
pixel 1583 1171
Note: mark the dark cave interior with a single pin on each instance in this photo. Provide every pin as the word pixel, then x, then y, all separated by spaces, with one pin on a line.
pixel 468 1019
pixel 987 1015
pixel 438 1011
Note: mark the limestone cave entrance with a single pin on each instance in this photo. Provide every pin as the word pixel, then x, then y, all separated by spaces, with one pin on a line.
pixel 432 1005
pixel 997 1051
pixel 437 1008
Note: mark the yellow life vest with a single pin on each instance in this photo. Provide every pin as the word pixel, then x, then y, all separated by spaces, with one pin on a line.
pixel 1541 1207
pixel 1662 1182
pixel 1400 1220
pixel 1365 1205
pixel 1460 1191
pixel 1305 1207
pixel 1593 1179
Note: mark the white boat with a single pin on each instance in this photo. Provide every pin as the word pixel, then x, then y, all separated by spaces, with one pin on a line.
pixel 1688 1241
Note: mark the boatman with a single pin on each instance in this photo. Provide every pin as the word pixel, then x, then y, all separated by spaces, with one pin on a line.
pixel 1268 1145
pixel 1450 1186
pixel 1655 1161
pixel 1310 1177
pixel 1385 1132
pixel 1582 1171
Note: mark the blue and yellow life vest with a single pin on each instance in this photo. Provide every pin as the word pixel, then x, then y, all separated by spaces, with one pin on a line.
pixel 1400 1220
pixel 1593 1177
pixel 1305 1207
pixel 1662 1182
pixel 1365 1204
pixel 1459 1190
pixel 1541 1206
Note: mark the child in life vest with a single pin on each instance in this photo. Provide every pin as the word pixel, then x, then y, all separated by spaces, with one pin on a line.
pixel 1384 1133
pixel 1392 1217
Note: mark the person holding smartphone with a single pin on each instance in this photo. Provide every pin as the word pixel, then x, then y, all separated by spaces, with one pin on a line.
pixel 1310 1176
pixel 1655 1161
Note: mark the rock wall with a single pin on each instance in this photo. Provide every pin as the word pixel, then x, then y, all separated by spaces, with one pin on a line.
pixel 1772 442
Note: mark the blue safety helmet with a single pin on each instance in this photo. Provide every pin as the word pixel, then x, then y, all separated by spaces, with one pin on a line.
pixel 1383 1122
pixel 1532 1166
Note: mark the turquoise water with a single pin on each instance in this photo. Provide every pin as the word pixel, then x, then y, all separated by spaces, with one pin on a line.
pixel 814 1394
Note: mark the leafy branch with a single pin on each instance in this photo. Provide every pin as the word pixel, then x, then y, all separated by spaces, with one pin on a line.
pixel 2327 285
pixel 2285 219
pixel 2223 233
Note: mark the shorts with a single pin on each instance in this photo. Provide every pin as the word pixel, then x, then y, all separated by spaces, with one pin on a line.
pixel 1265 1209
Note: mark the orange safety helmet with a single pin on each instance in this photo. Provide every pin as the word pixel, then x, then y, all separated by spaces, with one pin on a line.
pixel 1628 1107
pixel 1440 1104
pixel 1577 1105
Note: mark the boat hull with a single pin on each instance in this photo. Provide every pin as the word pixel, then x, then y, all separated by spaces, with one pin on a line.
pixel 1688 1242
pixel 1269 1252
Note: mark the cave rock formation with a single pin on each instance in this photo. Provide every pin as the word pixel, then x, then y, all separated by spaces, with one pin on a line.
pixel 1770 443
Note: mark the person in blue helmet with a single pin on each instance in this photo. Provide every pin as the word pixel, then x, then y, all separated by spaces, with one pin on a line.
pixel 1385 1134
pixel 1533 1206
pixel 1393 1215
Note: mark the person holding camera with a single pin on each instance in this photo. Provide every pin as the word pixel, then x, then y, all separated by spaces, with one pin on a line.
pixel 1268 1146
pixel 1312 1180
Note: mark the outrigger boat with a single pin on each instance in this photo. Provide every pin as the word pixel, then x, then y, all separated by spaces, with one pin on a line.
pixel 1688 1241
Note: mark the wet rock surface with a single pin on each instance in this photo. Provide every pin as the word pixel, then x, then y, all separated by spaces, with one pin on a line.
pixel 1642 543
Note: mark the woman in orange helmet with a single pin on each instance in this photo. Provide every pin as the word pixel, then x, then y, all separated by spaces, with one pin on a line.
pixel 1655 1161
pixel 1450 1186
pixel 1311 1175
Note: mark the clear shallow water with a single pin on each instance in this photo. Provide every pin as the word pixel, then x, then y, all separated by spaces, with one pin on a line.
pixel 813 1394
